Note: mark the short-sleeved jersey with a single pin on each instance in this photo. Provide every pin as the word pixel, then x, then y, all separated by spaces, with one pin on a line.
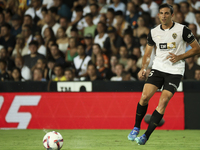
pixel 170 40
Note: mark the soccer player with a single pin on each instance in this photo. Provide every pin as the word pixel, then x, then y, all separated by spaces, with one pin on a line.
pixel 170 38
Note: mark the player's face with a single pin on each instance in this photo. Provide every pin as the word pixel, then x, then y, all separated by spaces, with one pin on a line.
pixel 165 16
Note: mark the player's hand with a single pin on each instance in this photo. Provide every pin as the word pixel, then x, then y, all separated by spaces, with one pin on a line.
pixel 142 74
pixel 172 57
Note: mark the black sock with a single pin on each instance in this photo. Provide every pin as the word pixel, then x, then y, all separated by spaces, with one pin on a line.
pixel 141 111
pixel 154 121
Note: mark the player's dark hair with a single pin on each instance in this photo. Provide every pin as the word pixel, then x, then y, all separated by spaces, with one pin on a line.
pixel 168 6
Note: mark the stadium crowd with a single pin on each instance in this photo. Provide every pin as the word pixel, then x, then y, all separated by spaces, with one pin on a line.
pixel 86 41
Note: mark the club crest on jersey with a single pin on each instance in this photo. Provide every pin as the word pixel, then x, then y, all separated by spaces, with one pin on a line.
pixel 174 35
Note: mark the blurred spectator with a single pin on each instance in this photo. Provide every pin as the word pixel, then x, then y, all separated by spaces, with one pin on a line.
pixel 197 74
pixel 176 8
pixel 142 27
pixel 121 25
pixel 31 59
pixel 175 1
pixel 113 63
pixel 102 71
pixel 69 75
pixel 13 5
pixel 110 15
pixel 123 55
pixel 72 50
pixel 103 6
pixel 27 20
pixel 88 40
pixel 59 76
pixel 25 71
pixel 47 3
pixel 170 2
pixel 112 42
pixel 50 22
pixel 91 26
pixel 41 22
pixel 94 9
pixel 41 48
pixel 130 42
pixel 38 75
pixel 189 16
pixel 92 73
pixel 63 10
pixel 133 15
pixel 4 76
pixel 50 65
pixel 119 68
pixel 66 25
pixel 84 4
pixel 2 19
pixel 62 39
pixel 96 51
pixel 102 35
pixel 35 11
pixel 53 11
pixel 81 61
pixel 16 75
pixel 197 22
pixel 20 48
pixel 180 19
pixel 132 67
pixel 27 34
pixel 126 76
pixel 195 4
pixel 6 39
pixel 103 18
pixel 41 64
pixel 190 67
pixel 48 34
pixel 79 19
pixel 8 15
pixel 151 7
pixel 9 62
pixel 137 52
pixel 16 25
pixel 118 5
pixel 56 54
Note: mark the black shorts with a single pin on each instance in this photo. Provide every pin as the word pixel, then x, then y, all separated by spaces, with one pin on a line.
pixel 169 82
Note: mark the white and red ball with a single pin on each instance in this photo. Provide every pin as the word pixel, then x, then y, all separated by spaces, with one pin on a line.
pixel 53 140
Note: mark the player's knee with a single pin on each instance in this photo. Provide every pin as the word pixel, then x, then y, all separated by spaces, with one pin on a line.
pixel 144 99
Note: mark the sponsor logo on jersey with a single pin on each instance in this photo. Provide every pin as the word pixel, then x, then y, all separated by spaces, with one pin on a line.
pixel 167 46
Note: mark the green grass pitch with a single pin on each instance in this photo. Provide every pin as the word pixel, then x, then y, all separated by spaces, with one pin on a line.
pixel 101 140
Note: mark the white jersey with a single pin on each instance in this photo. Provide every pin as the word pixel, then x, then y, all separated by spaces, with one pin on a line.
pixel 170 40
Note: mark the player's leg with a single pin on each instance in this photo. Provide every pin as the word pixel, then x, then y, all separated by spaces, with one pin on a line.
pixel 148 92
pixel 170 86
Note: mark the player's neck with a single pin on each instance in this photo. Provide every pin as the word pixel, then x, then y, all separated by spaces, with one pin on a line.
pixel 167 26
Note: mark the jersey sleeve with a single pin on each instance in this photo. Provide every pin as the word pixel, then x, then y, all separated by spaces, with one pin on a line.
pixel 188 35
pixel 150 41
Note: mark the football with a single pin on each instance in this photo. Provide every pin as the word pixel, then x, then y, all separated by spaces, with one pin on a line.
pixel 53 141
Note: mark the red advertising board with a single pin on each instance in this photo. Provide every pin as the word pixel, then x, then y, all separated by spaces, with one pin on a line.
pixel 87 110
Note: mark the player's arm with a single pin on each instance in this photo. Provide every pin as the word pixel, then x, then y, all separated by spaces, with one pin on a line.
pixel 147 57
pixel 195 50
